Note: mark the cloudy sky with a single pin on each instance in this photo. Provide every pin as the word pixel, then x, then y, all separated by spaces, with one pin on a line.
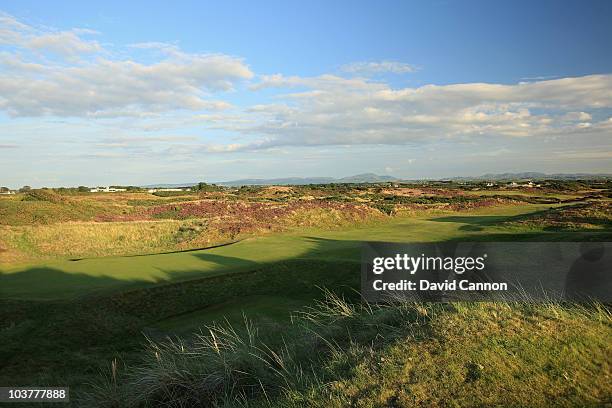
pixel 141 93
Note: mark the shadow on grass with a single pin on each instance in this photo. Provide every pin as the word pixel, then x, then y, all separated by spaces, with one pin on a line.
pixel 40 283
pixel 67 341
pixel 47 342
pixel 479 222
pixel 48 283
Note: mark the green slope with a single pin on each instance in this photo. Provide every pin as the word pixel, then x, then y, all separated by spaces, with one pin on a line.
pixel 67 279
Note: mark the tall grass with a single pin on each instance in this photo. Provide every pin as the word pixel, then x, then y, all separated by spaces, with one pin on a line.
pixel 337 353
pixel 88 239
pixel 219 365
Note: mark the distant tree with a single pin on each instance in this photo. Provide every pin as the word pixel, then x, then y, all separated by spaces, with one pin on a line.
pixel 25 189
pixel 201 186
pixel 82 189
pixel 4 189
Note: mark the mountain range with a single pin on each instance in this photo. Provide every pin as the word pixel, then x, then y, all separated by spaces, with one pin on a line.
pixel 359 178
pixel 375 178
pixel 536 176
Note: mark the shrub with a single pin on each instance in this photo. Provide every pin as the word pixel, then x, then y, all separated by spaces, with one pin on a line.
pixel 44 195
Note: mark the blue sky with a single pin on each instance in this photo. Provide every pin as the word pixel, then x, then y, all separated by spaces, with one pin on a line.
pixel 147 92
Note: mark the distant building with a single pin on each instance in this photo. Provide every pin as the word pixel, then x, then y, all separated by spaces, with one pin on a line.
pixel 528 184
pixel 106 190
pixel 7 192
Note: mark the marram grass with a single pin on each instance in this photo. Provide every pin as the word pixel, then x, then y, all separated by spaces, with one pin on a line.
pixel 339 354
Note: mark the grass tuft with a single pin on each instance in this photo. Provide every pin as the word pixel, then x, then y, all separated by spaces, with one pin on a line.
pixel 341 353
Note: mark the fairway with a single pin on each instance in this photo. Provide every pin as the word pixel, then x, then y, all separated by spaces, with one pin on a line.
pixel 64 279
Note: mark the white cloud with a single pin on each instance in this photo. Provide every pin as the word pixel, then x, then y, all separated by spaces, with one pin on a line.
pixel 370 68
pixel 33 85
pixel 169 49
pixel 331 110
pixel 327 82
pixel 175 89
pixel 577 116
pixel 107 86
pixel 11 30
pixel 586 155
pixel 65 43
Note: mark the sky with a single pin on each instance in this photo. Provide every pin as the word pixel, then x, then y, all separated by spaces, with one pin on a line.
pixel 133 93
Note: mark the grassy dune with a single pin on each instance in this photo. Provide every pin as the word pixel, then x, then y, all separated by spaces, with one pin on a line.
pixel 64 321
pixel 91 239
pixel 340 354
pixel 43 226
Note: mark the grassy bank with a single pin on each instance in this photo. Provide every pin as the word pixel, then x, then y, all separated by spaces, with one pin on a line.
pixel 66 278
pixel 70 341
pixel 339 354
pixel 63 322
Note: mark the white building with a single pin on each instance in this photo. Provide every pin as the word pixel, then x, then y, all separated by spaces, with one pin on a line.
pixel 106 190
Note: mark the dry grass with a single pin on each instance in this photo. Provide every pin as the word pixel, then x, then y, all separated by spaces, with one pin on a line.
pixel 591 215
pixel 24 244
pixel 88 239
pixel 330 218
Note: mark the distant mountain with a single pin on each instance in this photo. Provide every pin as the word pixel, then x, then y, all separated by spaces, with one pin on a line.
pixel 366 178
pixel 360 178
pixel 375 178
pixel 536 176
pixel 277 181
pixel 508 176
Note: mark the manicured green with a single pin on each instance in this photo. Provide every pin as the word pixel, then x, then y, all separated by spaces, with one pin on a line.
pixel 68 279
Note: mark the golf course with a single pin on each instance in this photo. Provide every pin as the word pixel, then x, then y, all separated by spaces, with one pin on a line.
pixel 75 315
pixel 64 279
pixel 346 204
